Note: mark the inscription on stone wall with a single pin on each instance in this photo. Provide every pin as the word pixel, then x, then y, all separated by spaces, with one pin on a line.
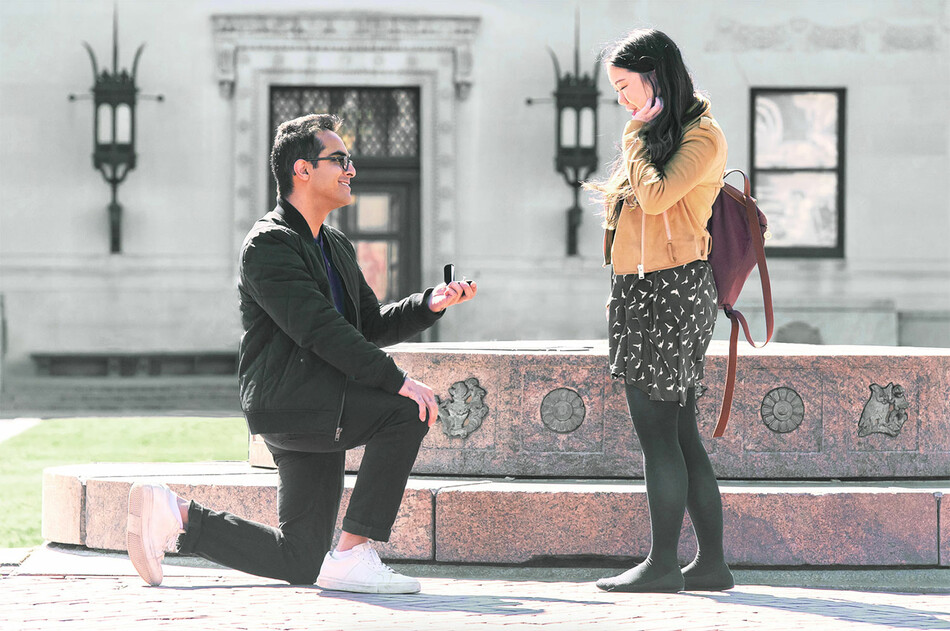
pixel 885 412
pixel 916 35
pixel 562 410
pixel 782 410
pixel 463 412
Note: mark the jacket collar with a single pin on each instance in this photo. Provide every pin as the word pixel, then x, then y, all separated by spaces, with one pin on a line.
pixel 700 110
pixel 286 211
pixel 292 217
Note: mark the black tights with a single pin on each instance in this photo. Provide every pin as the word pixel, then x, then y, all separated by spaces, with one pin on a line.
pixel 678 477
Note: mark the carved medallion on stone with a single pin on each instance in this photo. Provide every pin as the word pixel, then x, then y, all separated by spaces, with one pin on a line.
pixel 562 410
pixel 884 413
pixel 782 410
pixel 464 410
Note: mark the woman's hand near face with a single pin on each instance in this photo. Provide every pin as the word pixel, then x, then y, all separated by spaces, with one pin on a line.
pixel 649 111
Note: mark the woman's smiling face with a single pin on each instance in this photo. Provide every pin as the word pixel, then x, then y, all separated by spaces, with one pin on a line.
pixel 633 93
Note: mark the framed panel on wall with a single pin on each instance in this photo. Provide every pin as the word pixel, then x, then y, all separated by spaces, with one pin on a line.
pixel 797 149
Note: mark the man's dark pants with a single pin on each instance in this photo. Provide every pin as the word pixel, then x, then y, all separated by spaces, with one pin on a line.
pixel 310 469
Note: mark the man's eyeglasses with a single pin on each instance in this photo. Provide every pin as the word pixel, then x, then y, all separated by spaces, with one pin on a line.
pixel 343 160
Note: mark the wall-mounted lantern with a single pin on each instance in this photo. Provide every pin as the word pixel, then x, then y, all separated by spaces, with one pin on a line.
pixel 575 102
pixel 114 96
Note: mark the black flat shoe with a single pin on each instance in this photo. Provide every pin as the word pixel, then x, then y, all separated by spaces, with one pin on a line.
pixel 718 580
pixel 669 583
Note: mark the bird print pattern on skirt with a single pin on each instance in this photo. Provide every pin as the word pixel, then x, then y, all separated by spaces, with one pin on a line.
pixel 660 327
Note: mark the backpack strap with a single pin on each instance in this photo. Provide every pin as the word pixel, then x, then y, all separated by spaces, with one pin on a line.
pixel 736 316
pixel 752 214
pixel 730 380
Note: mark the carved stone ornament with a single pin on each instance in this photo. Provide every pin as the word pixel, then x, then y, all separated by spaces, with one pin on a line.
pixel 345 31
pixel 464 410
pixel 782 410
pixel 884 413
pixel 562 410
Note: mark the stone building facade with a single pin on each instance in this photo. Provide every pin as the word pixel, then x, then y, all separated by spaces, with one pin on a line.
pixel 485 196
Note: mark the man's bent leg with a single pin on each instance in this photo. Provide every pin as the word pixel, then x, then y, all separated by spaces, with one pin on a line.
pixel 390 428
pixel 392 445
pixel 308 498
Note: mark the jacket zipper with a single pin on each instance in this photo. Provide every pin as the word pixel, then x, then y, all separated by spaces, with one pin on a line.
pixel 345 280
pixel 339 417
pixel 643 242
pixel 346 290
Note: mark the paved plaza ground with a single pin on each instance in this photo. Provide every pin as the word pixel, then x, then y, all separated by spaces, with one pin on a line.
pixel 63 588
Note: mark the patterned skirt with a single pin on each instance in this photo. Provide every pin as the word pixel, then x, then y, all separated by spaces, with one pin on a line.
pixel 660 327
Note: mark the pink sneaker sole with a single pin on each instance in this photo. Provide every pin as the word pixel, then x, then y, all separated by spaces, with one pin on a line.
pixel 143 560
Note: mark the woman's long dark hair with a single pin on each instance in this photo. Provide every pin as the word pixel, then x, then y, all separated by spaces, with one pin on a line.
pixel 654 56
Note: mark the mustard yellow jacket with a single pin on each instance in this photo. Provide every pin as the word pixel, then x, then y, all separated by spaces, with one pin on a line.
pixel 663 224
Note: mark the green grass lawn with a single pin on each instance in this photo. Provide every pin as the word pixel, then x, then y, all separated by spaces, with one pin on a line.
pixel 82 440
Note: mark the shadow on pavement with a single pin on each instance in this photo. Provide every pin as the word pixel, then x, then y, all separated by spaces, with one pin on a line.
pixel 476 604
pixel 890 616
pixel 480 604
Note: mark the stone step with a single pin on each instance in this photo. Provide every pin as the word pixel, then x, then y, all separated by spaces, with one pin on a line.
pixel 181 394
pixel 458 520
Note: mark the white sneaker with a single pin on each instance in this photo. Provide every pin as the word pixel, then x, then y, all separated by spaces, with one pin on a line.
pixel 362 571
pixel 153 526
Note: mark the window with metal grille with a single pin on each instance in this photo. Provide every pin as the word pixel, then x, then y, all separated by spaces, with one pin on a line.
pixel 798 169
pixel 377 122
pixel 381 131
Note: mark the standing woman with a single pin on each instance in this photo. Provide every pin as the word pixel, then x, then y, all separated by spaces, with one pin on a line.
pixel 663 300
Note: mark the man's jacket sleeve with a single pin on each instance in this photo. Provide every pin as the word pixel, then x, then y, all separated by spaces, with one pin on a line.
pixel 275 275
pixel 397 321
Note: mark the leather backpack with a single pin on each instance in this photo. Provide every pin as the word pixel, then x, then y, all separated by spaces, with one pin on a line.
pixel 738 230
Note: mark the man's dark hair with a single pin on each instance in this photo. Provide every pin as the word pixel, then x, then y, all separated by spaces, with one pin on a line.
pixel 297 140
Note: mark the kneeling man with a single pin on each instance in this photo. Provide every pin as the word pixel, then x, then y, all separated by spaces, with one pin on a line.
pixel 314 383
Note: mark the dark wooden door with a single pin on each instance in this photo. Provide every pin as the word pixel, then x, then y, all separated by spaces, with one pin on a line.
pixel 381 131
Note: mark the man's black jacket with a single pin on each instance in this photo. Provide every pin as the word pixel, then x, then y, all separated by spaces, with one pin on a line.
pixel 297 351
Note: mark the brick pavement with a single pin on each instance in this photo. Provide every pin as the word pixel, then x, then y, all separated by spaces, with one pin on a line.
pixel 210 598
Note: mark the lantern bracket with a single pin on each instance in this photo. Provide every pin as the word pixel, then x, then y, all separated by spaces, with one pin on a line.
pixel 576 98
pixel 114 95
